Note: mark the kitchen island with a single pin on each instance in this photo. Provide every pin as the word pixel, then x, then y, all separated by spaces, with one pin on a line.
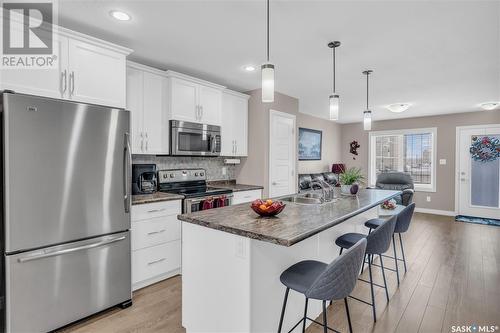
pixel 232 259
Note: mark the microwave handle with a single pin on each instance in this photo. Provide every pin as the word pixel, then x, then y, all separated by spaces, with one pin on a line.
pixel 212 143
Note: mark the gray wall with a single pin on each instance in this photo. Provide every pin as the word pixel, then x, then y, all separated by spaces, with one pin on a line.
pixel 444 197
pixel 254 169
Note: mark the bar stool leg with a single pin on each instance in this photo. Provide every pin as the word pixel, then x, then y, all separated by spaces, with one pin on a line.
pixel 402 251
pixel 305 316
pixel 363 266
pixel 325 324
pixel 341 249
pixel 348 315
pixel 371 288
pixel 383 275
pixel 283 309
pixel 395 256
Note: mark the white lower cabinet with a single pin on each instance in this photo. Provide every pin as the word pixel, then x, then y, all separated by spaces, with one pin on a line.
pixel 156 242
pixel 246 196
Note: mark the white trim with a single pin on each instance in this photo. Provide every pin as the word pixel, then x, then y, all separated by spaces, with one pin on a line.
pixel 294 118
pixel 435 211
pixel 177 75
pixel 457 158
pixel 145 68
pixel 371 149
pixel 236 93
pixel 92 40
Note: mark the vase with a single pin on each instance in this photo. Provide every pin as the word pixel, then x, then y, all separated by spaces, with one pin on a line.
pixel 349 189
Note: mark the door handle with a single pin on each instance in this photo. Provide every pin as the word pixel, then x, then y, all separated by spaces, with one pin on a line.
pixel 127 162
pixel 64 82
pixel 71 83
pixel 156 232
pixel 70 250
pixel 156 261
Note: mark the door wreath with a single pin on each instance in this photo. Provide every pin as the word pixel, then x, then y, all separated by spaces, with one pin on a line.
pixel 485 149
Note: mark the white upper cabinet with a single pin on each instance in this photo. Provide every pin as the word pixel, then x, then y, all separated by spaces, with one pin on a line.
pixel 193 100
pixel 146 101
pixel 40 82
pixel 183 100
pixel 89 70
pixel 234 130
pixel 96 74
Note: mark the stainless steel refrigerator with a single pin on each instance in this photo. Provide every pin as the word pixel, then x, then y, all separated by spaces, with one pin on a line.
pixel 65 211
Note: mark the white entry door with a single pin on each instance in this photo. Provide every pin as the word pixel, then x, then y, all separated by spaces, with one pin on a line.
pixel 282 154
pixel 478 181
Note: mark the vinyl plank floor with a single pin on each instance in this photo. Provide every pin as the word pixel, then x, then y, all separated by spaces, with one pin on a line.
pixel 453 278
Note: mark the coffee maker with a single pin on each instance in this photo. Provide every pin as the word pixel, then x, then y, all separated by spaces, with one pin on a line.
pixel 144 178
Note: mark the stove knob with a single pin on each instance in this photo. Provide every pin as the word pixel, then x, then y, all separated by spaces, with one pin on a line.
pixel 172 175
pixel 201 174
pixel 196 174
pixel 165 175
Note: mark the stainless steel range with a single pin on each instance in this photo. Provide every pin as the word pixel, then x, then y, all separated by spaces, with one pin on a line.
pixel 192 184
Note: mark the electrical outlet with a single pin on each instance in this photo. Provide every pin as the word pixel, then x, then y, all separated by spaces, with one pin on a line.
pixel 428 198
pixel 224 171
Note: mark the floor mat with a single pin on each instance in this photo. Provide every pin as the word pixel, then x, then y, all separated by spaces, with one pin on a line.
pixel 478 220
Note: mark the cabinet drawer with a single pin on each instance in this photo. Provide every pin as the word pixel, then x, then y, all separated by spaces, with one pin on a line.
pixel 155 231
pixel 155 209
pixel 246 196
pixel 156 260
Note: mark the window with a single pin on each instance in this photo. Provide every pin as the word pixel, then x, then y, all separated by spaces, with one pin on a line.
pixel 411 151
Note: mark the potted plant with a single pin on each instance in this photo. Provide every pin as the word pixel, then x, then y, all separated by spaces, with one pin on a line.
pixel 350 180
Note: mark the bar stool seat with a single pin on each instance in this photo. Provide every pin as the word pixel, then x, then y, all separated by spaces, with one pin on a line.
pixel 301 276
pixel 347 240
pixel 374 223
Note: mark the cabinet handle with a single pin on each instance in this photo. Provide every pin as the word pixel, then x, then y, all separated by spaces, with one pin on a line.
pixel 156 232
pixel 71 83
pixel 156 210
pixel 64 82
pixel 147 145
pixel 156 261
pixel 201 112
pixel 235 147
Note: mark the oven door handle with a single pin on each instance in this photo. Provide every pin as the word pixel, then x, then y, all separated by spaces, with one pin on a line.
pixel 217 196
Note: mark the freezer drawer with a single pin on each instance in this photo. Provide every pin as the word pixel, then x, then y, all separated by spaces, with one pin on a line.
pixel 51 287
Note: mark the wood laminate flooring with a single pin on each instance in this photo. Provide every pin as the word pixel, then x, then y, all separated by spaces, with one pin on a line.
pixel 453 279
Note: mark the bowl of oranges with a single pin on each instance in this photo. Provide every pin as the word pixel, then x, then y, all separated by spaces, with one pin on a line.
pixel 267 207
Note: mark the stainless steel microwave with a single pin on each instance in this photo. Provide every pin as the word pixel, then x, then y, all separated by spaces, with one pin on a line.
pixel 193 139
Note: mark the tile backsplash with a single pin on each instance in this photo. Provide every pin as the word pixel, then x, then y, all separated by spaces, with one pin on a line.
pixel 212 165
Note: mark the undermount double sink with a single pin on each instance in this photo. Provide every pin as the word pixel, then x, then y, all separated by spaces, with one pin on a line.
pixel 306 199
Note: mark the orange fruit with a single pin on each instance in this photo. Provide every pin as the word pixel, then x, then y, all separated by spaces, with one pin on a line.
pixel 263 207
pixel 269 202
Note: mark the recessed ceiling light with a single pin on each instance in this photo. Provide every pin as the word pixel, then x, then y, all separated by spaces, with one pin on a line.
pixel 489 105
pixel 398 107
pixel 119 15
pixel 249 68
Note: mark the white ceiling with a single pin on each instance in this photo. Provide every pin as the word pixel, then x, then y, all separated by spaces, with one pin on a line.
pixel 442 56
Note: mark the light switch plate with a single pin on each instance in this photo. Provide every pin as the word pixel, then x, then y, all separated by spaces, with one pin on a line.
pixel 428 198
pixel 442 161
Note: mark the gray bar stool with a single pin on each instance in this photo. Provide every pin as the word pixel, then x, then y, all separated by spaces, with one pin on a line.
pixel 378 242
pixel 325 282
pixel 402 225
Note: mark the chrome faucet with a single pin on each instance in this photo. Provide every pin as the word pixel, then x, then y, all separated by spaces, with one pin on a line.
pixel 327 191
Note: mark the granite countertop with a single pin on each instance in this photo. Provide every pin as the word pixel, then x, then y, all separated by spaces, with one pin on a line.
pixel 232 185
pixel 297 221
pixel 138 199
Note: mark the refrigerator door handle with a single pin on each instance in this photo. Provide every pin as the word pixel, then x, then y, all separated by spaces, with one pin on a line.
pixel 70 250
pixel 127 162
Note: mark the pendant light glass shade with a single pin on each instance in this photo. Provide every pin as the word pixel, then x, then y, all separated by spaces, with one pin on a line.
pixel 267 83
pixel 367 114
pixel 334 107
pixel 367 120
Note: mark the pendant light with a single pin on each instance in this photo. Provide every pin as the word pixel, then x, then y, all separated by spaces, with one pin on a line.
pixel 334 97
pixel 367 114
pixel 267 72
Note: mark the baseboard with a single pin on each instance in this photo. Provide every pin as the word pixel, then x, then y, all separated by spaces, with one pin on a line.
pixel 435 211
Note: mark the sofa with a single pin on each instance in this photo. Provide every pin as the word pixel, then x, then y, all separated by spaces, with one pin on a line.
pixel 397 181
pixel 306 179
